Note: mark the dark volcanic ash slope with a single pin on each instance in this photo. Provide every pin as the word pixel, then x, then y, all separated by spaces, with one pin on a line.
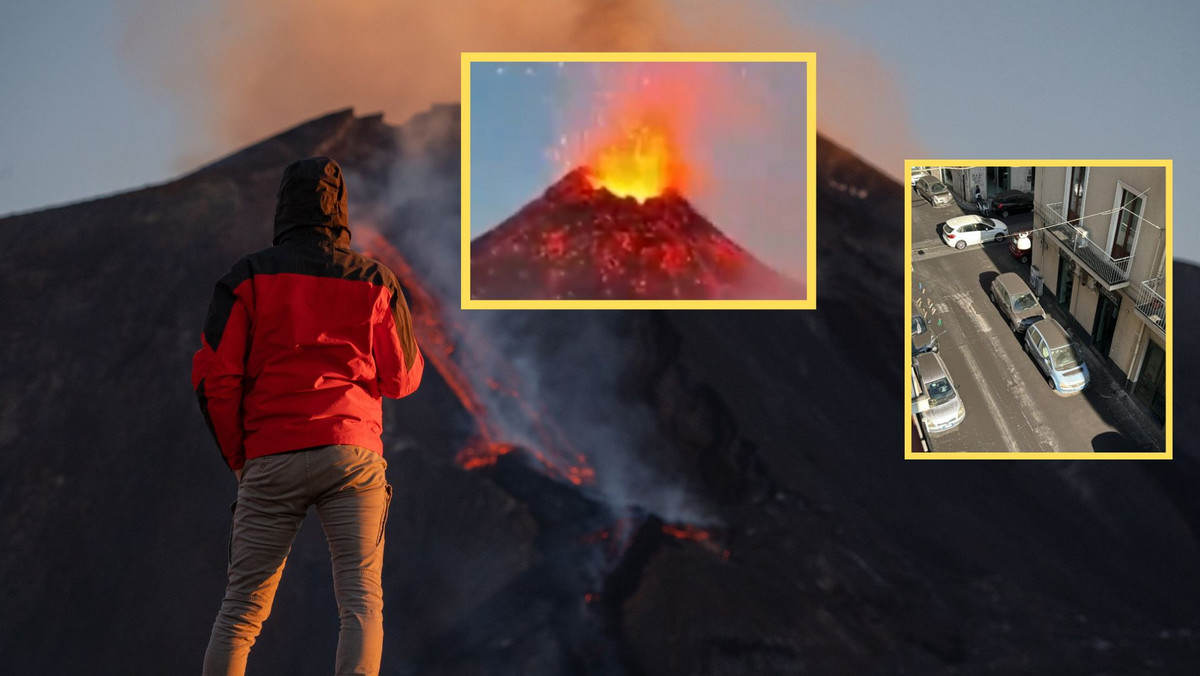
pixel 822 551
pixel 578 242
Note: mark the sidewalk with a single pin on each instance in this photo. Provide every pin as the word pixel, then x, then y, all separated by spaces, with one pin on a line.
pixel 1142 429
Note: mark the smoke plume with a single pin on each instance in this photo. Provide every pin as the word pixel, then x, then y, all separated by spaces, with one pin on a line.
pixel 248 69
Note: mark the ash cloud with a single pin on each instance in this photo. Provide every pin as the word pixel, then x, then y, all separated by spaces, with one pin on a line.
pixel 244 70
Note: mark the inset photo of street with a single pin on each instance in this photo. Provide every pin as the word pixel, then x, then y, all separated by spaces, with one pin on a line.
pixel 1039 297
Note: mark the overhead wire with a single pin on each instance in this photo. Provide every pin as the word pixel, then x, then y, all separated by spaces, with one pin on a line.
pixel 1074 222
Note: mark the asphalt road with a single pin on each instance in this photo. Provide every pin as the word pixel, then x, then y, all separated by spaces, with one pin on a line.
pixel 1009 405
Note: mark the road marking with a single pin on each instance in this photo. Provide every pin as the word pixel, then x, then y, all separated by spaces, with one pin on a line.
pixel 1009 440
pixel 1019 392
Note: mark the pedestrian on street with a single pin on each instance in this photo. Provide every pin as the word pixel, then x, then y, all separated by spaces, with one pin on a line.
pixel 301 342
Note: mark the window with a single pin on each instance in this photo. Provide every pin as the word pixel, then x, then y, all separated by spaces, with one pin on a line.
pixel 1127 224
pixel 1075 189
pixel 1064 358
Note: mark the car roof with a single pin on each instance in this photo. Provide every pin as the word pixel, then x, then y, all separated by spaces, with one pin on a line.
pixel 962 220
pixel 1013 282
pixel 931 367
pixel 1011 193
pixel 1053 332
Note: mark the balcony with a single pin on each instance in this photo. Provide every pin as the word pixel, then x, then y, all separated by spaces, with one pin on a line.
pixel 1113 273
pixel 1150 302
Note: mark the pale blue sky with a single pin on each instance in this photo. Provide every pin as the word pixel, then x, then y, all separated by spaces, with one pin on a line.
pixel 1072 78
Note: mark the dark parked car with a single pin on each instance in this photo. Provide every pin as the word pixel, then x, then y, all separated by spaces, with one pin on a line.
pixel 923 339
pixel 1010 202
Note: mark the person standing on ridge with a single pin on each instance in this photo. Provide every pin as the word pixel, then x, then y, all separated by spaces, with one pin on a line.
pixel 301 342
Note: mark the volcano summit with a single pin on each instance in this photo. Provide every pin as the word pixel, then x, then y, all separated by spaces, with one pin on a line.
pixel 581 242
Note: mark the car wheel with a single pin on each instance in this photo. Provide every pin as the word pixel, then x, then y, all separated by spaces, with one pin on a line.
pixel 1004 213
pixel 999 236
pixel 960 245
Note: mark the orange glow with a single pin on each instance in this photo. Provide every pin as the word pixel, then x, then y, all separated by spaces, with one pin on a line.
pixel 686 532
pixel 481 455
pixel 644 129
pixel 438 344
pixel 643 161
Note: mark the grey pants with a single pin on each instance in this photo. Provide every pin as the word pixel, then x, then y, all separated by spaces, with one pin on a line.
pixel 352 496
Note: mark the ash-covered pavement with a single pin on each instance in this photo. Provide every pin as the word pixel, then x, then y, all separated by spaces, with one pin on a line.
pixel 1009 405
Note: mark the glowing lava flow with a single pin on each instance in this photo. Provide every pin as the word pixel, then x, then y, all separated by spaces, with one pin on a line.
pixel 643 162
pixel 434 336
pixel 708 539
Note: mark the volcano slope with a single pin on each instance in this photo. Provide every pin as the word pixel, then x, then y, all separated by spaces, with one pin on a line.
pixel 576 492
pixel 579 242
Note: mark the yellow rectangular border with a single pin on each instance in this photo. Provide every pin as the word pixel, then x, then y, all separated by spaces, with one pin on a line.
pixel 809 303
pixel 1169 253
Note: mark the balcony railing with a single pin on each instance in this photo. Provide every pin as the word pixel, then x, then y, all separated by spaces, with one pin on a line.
pixel 1113 272
pixel 1149 300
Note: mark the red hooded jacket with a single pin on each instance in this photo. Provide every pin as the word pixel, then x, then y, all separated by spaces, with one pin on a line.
pixel 303 339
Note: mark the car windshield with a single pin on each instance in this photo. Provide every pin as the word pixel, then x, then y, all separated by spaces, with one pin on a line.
pixel 1024 301
pixel 937 187
pixel 940 391
pixel 1064 357
pixel 987 223
pixel 918 325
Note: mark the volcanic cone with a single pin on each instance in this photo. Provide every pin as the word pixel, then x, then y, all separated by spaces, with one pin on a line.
pixel 580 242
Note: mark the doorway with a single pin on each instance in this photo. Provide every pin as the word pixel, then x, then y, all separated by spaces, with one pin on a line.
pixel 1151 387
pixel 998 180
pixel 1066 280
pixel 1107 310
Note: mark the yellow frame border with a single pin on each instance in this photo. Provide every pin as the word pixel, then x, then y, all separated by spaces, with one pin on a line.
pixel 809 303
pixel 1169 252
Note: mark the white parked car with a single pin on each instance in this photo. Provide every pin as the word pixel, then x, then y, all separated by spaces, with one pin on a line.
pixel 963 230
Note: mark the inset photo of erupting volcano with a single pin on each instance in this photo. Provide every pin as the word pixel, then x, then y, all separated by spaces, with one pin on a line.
pixel 638 180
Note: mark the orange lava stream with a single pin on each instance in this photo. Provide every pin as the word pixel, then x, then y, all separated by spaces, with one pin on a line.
pixel 433 335
pixel 687 532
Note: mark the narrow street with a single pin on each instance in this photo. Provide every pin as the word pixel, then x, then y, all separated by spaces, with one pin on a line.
pixel 1009 405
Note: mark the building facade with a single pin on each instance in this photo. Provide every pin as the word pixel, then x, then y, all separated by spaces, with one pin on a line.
pixel 1101 250
pixel 963 181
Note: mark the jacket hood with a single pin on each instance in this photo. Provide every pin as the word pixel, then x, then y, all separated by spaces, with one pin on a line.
pixel 312 196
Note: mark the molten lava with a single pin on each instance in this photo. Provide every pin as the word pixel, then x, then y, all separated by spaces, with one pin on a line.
pixel 642 162
pixel 439 341
pixel 580 241
pixel 686 532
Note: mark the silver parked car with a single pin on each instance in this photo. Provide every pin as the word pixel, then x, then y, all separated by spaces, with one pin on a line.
pixel 923 339
pixel 933 190
pixel 1016 301
pixel 1055 354
pixel 946 409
